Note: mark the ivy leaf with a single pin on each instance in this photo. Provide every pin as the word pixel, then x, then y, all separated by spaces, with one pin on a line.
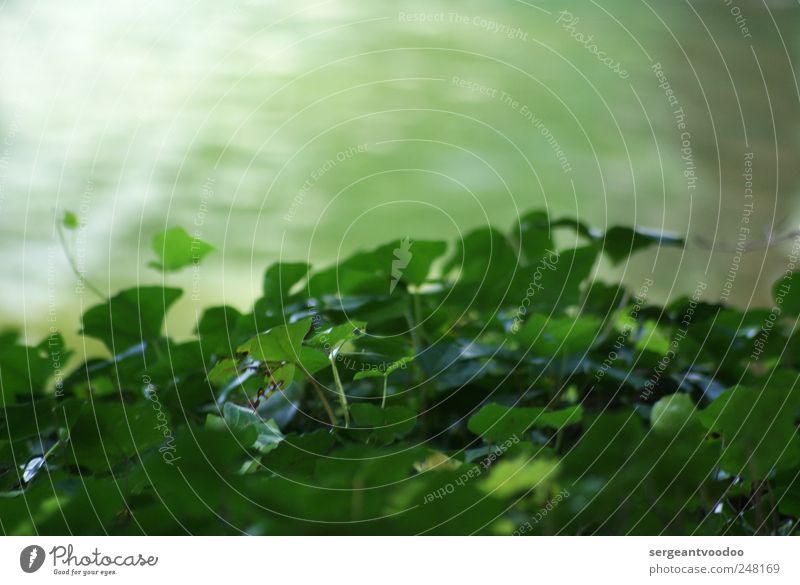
pixel 498 423
pixel 278 281
pixel 70 220
pixel 519 474
pixel 267 434
pixel 176 249
pixel 535 236
pixel 621 242
pixel 381 425
pixel 786 294
pixel 757 426
pixel 131 317
pixel 559 336
pixel 281 343
pixel 109 433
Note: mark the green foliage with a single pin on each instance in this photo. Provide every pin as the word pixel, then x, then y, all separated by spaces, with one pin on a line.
pixel 413 388
pixel 176 249
pixel 70 220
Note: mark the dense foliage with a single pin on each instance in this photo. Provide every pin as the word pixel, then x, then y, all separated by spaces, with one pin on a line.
pixel 494 386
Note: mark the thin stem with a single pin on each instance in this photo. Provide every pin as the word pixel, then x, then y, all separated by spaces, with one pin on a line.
pixel 51 450
pixel 412 320
pixel 74 267
pixel 340 389
pixel 385 386
pixel 418 316
pixel 326 405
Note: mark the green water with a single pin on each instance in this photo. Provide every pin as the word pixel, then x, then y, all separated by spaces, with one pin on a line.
pixel 308 130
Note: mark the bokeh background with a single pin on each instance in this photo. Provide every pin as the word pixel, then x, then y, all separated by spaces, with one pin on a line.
pixel 305 130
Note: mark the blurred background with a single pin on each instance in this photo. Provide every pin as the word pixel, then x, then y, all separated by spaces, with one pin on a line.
pixel 307 130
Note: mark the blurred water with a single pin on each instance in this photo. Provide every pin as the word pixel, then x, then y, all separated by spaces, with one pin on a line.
pixel 306 130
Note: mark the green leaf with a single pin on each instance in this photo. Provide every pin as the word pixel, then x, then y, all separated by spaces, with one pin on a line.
pixel 311 361
pixel 267 434
pixel 498 423
pixel 553 284
pixel 107 434
pixel 131 317
pixel 520 474
pixel 25 371
pixel 223 372
pixel 278 281
pixel 70 220
pixel 378 271
pixel 621 242
pixel 757 427
pixel 786 294
pixel 672 413
pixel 559 336
pixel 281 343
pixel 331 339
pixel 381 425
pixel 535 236
pixel 176 249
pixel 486 263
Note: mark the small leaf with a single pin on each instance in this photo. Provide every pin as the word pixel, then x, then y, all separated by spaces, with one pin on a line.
pixel 176 249
pixel 621 242
pixel 70 220
pixel 382 425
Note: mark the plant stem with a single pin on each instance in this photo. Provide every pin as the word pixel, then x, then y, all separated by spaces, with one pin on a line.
pixel 340 389
pixel 325 404
pixel 412 328
pixel 71 261
pixel 385 386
